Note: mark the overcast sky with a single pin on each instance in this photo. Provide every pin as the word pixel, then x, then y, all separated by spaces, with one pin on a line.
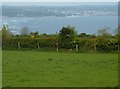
pixel 59 0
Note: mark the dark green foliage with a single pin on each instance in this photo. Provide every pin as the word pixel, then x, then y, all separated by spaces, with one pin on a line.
pixel 84 35
pixel 105 44
pixel 67 35
pixel 6 36
pixel 34 34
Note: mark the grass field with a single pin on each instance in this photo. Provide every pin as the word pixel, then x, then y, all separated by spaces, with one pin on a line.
pixel 0 68
pixel 47 69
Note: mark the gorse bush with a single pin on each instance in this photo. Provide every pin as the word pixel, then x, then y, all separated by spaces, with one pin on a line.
pixel 66 39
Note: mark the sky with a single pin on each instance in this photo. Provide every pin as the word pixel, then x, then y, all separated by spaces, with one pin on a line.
pixel 59 0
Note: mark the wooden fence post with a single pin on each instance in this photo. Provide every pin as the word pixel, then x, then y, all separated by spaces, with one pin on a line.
pixel 95 48
pixel 118 48
pixel 19 45
pixel 57 47
pixel 76 47
pixel 38 46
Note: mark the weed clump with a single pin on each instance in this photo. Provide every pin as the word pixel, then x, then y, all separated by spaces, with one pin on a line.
pixel 50 59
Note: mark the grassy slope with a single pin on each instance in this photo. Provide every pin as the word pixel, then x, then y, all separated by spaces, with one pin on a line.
pixel 0 68
pixel 33 68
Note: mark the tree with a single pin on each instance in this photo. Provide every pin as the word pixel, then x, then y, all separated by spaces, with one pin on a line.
pixel 67 35
pixel 34 34
pixel 0 37
pixel 117 32
pixel 104 32
pixel 24 31
pixel 6 34
pixel 84 35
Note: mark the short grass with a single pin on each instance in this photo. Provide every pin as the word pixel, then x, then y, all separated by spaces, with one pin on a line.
pixel 55 69
pixel 0 68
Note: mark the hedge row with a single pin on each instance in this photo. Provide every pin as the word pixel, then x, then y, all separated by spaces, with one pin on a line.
pixel 99 43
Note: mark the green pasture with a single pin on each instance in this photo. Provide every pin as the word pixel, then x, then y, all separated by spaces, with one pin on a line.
pixel 0 68
pixel 59 69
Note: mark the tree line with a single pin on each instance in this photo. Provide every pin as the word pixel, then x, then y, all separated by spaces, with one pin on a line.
pixel 66 39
